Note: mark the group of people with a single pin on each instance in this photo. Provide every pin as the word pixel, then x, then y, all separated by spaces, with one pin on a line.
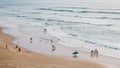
pixel 94 53
pixel 17 47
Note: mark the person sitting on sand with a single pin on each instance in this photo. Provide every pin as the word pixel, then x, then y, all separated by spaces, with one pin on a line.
pixel 53 48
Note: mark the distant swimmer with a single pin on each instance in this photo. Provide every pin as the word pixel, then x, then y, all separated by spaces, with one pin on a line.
pixel 46 23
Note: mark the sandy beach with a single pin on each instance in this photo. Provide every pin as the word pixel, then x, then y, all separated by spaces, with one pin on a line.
pixel 60 58
pixel 11 58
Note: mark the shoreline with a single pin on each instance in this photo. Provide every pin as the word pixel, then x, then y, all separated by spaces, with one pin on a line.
pixel 20 30
pixel 24 59
pixel 69 50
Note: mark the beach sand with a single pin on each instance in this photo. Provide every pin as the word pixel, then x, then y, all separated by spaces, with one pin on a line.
pixel 11 58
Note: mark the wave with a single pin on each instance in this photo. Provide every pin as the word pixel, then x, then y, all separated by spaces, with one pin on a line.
pixel 103 45
pixel 16 15
pixel 87 8
pixel 98 17
pixel 61 10
pixel 103 12
pixel 82 11
pixel 65 22
pixel 70 22
pixel 75 7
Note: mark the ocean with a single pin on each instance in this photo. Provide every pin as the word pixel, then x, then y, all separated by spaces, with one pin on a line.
pixel 89 24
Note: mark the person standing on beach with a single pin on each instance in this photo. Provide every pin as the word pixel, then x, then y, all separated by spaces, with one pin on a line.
pixel 16 46
pixel 58 39
pixel 45 30
pixel 75 53
pixel 30 40
pixel 96 53
pixel 51 41
pixel 53 48
pixel 6 46
pixel 19 49
pixel 92 53
pixel 39 40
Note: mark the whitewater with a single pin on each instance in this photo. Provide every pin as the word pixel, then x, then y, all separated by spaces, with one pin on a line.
pixel 78 23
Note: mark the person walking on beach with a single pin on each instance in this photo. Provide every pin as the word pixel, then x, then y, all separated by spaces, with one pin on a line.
pixel 51 41
pixel 30 40
pixel 39 40
pixel 16 46
pixel 45 30
pixel 19 49
pixel 6 46
pixel 53 48
pixel 92 53
pixel 58 39
pixel 75 53
pixel 96 53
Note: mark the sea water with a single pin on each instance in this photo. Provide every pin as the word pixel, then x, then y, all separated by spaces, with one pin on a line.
pixel 78 23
